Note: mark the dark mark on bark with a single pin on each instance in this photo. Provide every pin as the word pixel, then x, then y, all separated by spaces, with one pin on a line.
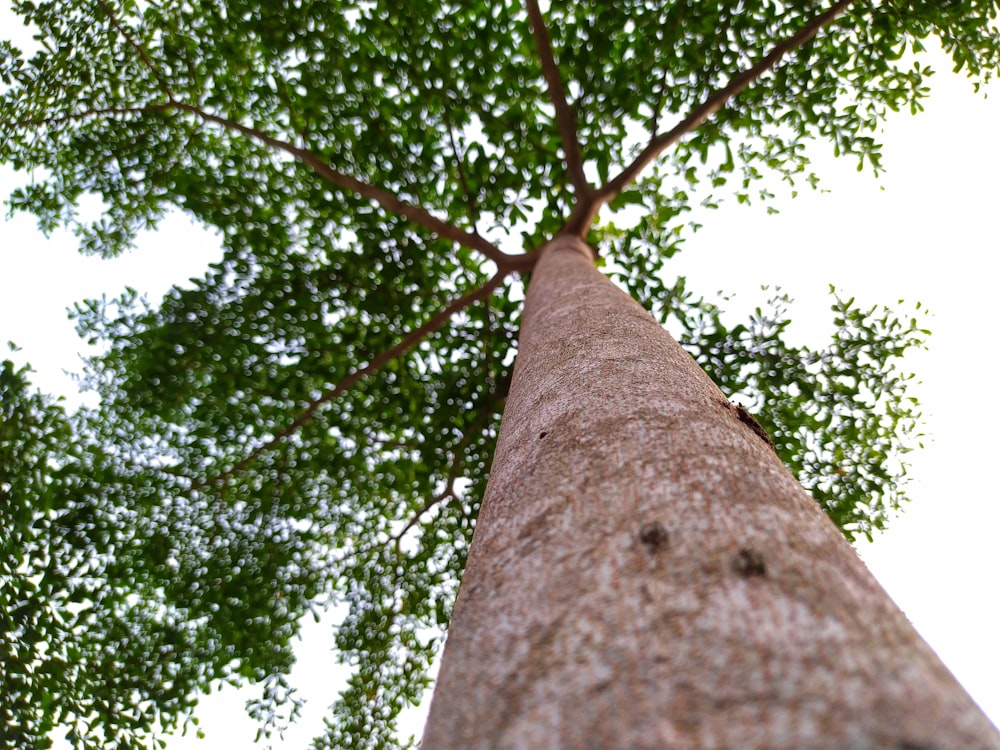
pixel 748 419
pixel 749 564
pixel 542 434
pixel 653 535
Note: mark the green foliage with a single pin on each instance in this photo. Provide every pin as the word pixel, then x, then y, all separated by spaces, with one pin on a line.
pixel 363 164
pixel 33 433
pixel 85 648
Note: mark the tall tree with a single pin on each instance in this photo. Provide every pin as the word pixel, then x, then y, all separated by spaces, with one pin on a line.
pixel 313 421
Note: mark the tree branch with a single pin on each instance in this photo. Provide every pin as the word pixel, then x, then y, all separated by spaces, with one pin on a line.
pixel 100 112
pixel 557 94
pixel 143 55
pixel 716 101
pixel 386 199
pixel 654 124
pixel 448 492
pixel 470 201
pixel 406 343
pixel 445 494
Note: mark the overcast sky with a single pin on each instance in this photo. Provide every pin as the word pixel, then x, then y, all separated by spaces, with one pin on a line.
pixel 927 230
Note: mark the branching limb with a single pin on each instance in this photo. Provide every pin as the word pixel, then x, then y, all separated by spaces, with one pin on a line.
pixel 463 180
pixel 86 115
pixel 139 49
pixel 717 100
pixel 457 464
pixel 447 493
pixel 398 445
pixel 384 198
pixel 387 200
pixel 654 125
pixel 406 343
pixel 557 94
pixel 487 349
pixel 396 539
pixel 173 472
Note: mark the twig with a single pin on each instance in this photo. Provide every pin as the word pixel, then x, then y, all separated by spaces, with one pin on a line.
pixel 654 125
pixel 386 199
pixel 557 94
pixel 469 200
pixel 457 463
pixel 445 494
pixel 487 349
pixel 101 112
pixel 448 492
pixel 143 55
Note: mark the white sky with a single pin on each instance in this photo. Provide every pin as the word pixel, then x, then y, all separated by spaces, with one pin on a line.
pixel 925 231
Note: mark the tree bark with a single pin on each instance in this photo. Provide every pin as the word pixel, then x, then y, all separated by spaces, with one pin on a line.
pixel 645 572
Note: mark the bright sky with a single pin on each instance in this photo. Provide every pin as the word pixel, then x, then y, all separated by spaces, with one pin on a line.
pixel 925 231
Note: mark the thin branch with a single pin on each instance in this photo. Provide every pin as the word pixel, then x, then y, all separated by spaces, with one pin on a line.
pixel 101 112
pixel 463 180
pixel 654 125
pixel 173 472
pixel 457 464
pixel 299 128
pixel 143 55
pixel 557 94
pixel 716 101
pixel 448 492
pixel 386 199
pixel 406 343
pixel 397 445
pixel 487 349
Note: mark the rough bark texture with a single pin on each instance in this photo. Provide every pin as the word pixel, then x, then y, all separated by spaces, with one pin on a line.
pixel 647 574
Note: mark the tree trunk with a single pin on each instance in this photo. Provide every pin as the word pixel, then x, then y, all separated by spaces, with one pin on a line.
pixel 646 573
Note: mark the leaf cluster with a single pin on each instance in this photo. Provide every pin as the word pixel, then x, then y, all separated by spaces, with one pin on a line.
pixel 84 647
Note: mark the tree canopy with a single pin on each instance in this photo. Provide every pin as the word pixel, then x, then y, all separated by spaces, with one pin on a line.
pixel 312 422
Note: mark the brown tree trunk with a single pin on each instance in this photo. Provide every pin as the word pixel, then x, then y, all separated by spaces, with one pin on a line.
pixel 647 574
